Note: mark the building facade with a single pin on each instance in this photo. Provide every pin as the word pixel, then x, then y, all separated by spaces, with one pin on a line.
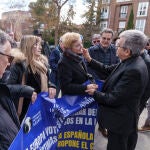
pixel 18 22
pixel 115 14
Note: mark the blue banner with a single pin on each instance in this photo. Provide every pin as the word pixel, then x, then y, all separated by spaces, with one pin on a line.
pixel 77 130
pixel 39 129
pixel 64 123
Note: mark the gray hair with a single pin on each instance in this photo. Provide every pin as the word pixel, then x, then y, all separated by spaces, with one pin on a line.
pixel 107 30
pixel 96 36
pixel 3 39
pixel 135 40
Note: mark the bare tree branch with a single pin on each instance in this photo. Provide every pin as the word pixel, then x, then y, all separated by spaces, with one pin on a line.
pixel 58 3
pixel 64 3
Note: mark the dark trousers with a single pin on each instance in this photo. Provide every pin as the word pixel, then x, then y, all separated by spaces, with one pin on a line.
pixel 122 141
pixel 98 120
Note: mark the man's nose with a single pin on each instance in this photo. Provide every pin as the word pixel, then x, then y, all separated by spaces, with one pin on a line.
pixel 8 63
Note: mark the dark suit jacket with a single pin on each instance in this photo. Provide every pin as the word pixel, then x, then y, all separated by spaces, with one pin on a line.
pixel 71 76
pixel 146 93
pixel 121 94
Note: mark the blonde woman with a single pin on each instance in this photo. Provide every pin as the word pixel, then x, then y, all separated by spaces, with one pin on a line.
pixel 72 70
pixel 33 70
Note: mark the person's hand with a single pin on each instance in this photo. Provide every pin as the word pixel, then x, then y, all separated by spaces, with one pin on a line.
pixel 86 55
pixel 92 86
pixel 34 97
pixel 91 91
pixel 52 93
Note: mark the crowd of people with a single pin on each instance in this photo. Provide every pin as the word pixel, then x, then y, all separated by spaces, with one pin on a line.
pixel 123 66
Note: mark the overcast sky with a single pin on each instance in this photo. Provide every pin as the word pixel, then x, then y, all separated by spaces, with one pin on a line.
pixel 79 8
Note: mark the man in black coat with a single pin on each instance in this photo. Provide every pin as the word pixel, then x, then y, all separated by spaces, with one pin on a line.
pixel 9 123
pixel 146 94
pixel 122 92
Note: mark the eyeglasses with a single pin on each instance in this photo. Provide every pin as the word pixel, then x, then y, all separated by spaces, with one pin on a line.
pixel 10 58
pixel 98 41
pixel 104 38
pixel 120 47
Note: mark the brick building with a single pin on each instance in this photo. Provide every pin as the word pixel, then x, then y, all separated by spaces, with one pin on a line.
pixel 115 14
pixel 17 22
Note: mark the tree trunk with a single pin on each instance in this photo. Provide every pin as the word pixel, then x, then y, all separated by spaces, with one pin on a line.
pixel 57 27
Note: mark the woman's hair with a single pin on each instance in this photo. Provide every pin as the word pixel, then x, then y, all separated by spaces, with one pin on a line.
pixel 26 46
pixel 69 38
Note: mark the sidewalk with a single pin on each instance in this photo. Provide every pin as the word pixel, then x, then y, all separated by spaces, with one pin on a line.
pixel 143 138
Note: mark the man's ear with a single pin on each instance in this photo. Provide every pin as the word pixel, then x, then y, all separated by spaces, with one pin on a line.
pixel 128 52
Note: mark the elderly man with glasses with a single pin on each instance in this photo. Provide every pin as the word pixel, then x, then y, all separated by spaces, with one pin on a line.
pixel 9 123
pixel 96 39
pixel 123 90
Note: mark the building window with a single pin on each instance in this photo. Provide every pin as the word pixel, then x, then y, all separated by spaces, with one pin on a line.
pixel 123 11
pixel 140 24
pixel 122 0
pixel 103 25
pixel 142 9
pixel 105 12
pixel 105 1
pixel 122 25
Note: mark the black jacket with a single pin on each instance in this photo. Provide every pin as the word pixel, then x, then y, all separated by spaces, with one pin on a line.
pixel 120 98
pixel 34 80
pixel 72 74
pixel 17 70
pixel 146 94
pixel 9 124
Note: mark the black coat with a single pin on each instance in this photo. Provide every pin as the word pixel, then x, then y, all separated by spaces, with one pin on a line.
pixel 146 93
pixel 9 124
pixel 17 70
pixel 72 74
pixel 121 94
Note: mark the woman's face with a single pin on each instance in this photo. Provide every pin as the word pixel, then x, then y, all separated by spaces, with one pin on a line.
pixel 36 49
pixel 77 47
